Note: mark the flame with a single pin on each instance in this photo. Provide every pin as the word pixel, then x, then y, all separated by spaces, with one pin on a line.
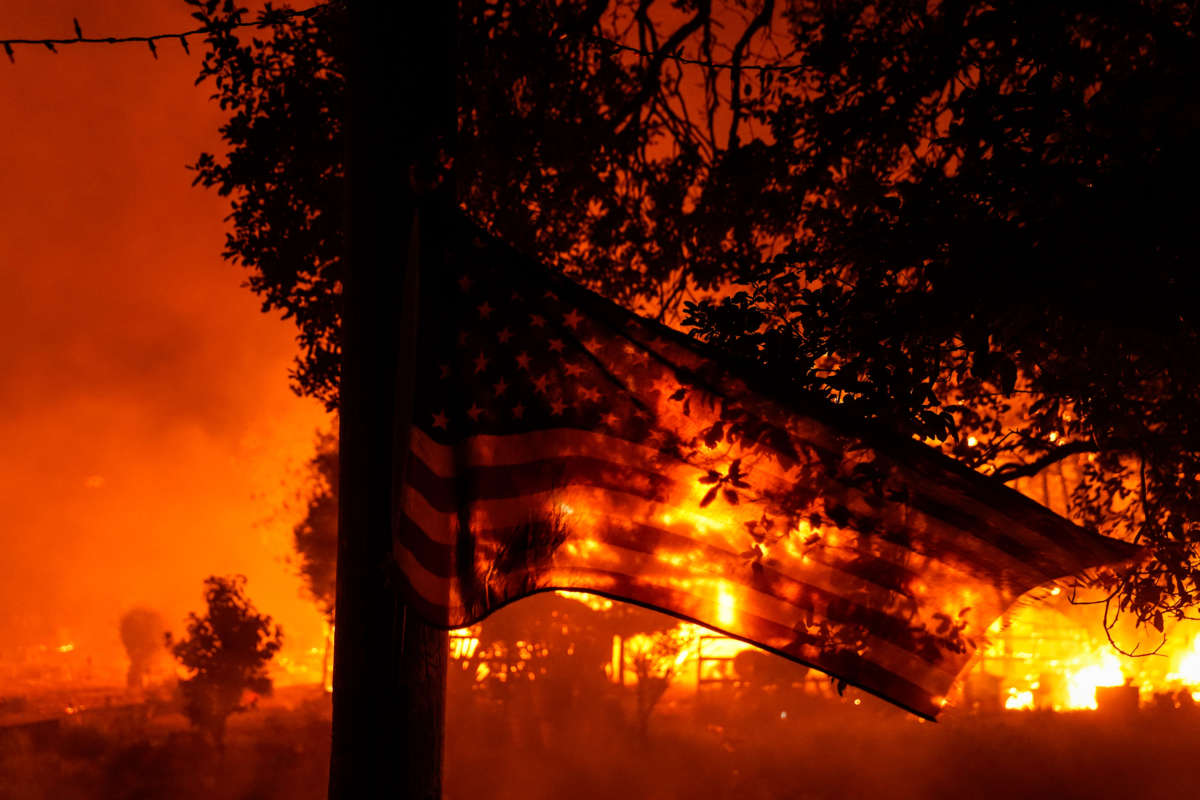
pixel 464 642
pixel 66 648
pixel 593 601
pixel 726 607
pixel 1189 664
pixel 1082 683
pixel 1017 701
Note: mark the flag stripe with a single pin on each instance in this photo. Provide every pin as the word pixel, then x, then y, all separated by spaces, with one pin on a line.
pixel 939 541
pixel 490 519
pixel 481 453
pixel 893 669
pixel 840 597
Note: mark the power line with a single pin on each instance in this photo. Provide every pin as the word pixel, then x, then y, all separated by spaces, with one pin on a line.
pixel 264 19
pixel 275 16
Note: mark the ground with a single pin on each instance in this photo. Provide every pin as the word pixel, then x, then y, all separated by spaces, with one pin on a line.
pixel 839 751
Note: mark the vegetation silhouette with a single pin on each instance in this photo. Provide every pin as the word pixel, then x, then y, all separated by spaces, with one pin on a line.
pixel 968 220
pixel 227 651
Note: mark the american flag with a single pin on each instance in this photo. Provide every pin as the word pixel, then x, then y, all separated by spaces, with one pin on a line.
pixel 559 441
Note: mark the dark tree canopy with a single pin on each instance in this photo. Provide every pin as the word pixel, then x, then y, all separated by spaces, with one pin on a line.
pixel 315 535
pixel 972 221
pixel 227 651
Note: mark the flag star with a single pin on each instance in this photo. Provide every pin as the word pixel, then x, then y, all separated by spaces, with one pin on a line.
pixel 465 283
pixel 462 337
pixel 556 345
pixel 500 387
pixel 550 295
pixel 541 382
pixel 537 320
pixel 440 420
pixel 574 370
pixel 518 411
pixel 637 353
pixel 516 295
pixel 557 407
pixel 572 318
pixel 504 334
pixel 589 393
pixel 611 419
pixel 485 309
pixel 592 344
pixel 474 412
pixel 445 370
pixel 523 360
pixel 480 362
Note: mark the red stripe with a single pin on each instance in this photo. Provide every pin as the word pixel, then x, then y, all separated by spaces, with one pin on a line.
pixel 853 668
pixel 952 546
pixel 649 541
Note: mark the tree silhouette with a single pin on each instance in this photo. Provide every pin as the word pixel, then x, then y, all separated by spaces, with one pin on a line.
pixel 227 651
pixel 968 220
pixel 315 536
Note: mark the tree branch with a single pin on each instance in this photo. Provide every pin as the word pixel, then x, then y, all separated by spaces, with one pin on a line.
pixel 761 20
pixel 1010 472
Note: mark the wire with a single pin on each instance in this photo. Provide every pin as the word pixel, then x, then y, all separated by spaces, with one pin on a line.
pixel 275 16
pixel 264 18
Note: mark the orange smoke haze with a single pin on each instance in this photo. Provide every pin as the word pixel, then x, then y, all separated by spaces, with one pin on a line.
pixel 147 434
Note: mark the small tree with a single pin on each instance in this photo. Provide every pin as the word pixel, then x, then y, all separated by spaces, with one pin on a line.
pixel 227 652
pixel 654 658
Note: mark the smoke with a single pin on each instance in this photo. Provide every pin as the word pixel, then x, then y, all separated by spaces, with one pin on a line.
pixel 149 437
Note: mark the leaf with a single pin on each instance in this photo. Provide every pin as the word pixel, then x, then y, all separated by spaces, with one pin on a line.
pixel 731 496
pixel 153 49
pixel 78 30
pixel 1158 621
pixel 712 477
pixel 709 497
pixel 714 434
pixel 50 46
pixel 9 51
pixel 183 41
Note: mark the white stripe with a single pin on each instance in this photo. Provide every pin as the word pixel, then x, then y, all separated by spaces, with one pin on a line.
pixel 444 592
pixel 574 505
pixel 491 451
pixel 966 589
pixel 520 448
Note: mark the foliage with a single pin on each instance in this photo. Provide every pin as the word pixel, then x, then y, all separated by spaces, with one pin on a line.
pixel 227 652
pixel 654 658
pixel 970 221
pixel 315 536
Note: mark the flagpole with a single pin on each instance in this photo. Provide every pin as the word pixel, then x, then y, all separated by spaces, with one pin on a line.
pixel 389 666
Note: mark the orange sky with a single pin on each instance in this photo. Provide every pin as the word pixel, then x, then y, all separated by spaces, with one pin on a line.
pixel 145 420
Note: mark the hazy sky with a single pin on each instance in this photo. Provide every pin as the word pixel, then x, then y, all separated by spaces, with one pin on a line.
pixel 148 437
